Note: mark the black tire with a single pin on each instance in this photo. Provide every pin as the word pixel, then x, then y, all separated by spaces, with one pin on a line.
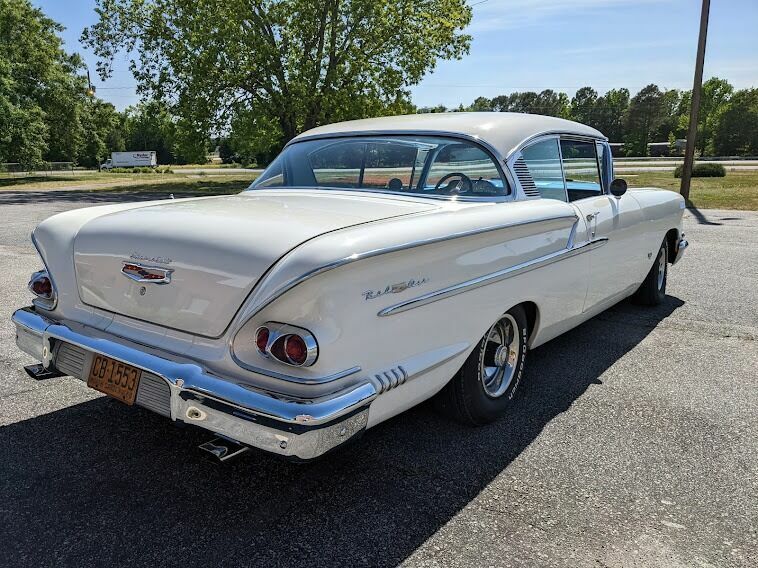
pixel 653 290
pixel 473 397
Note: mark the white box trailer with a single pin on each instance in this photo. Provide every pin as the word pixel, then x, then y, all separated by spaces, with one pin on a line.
pixel 146 159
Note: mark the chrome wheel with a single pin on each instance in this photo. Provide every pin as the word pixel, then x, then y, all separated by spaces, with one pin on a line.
pixel 497 365
pixel 661 266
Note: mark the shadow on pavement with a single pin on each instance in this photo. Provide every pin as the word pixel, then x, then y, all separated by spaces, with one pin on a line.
pixel 100 483
pixel 699 216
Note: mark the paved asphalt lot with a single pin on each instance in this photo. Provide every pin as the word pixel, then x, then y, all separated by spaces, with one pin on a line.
pixel 634 445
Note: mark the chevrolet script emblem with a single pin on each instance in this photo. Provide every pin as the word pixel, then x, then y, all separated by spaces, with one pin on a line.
pixel 141 273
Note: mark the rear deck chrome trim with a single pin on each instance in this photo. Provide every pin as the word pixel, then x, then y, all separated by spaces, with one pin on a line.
pixel 492 277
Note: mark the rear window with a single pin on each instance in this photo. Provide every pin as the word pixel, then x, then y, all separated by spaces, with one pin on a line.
pixel 420 165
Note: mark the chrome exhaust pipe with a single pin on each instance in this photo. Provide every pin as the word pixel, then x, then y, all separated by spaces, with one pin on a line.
pixel 39 373
pixel 220 450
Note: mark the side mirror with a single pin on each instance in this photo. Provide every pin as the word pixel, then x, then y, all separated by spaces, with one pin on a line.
pixel 618 187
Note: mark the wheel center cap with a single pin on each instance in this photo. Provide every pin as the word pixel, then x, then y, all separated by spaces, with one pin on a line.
pixel 501 356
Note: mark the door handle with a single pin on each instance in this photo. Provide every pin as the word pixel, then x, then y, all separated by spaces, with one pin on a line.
pixel 591 216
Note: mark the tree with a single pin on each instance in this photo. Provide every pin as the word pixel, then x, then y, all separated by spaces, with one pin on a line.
pixel 481 104
pixel 40 89
pixel 669 119
pixel 643 116
pixel 584 106
pixel 735 127
pixel 103 132
pixel 301 62
pixel 714 97
pixel 611 110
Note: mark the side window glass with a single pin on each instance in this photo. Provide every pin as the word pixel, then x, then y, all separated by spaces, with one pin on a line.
pixel 338 165
pixel 581 169
pixel 273 176
pixel 544 163
pixel 473 162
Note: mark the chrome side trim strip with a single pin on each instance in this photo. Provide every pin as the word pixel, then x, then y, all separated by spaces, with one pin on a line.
pixel 493 277
pixel 287 286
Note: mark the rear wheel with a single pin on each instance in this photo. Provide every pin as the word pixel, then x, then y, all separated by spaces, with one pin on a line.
pixel 485 386
pixel 653 290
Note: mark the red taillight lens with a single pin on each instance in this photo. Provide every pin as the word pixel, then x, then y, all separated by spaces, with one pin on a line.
pixel 295 349
pixel 261 339
pixel 41 286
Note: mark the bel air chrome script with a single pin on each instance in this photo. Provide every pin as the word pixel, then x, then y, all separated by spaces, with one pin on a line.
pixel 395 288
pixel 156 259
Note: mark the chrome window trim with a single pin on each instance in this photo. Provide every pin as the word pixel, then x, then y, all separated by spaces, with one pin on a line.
pixel 289 285
pixel 548 133
pixel 493 277
pixel 496 156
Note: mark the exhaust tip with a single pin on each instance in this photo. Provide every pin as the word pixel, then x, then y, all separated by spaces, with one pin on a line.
pixel 220 450
pixel 39 373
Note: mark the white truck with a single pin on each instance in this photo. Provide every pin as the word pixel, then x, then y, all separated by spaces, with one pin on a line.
pixel 147 159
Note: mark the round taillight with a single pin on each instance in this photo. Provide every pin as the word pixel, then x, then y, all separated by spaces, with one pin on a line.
pixel 295 349
pixel 42 287
pixel 261 339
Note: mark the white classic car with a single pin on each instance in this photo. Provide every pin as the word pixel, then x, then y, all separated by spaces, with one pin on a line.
pixel 374 264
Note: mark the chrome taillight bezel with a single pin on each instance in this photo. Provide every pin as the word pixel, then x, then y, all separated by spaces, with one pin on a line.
pixel 278 332
pixel 43 302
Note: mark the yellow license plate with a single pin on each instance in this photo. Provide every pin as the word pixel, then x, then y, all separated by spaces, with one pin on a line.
pixel 114 378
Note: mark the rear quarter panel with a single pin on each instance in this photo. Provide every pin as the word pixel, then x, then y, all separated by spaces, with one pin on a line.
pixel 430 343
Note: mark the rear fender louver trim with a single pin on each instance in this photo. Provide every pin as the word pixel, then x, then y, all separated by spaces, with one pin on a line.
pixel 525 178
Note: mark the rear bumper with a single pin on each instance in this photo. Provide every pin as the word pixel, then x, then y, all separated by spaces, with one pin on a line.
pixel 681 246
pixel 299 428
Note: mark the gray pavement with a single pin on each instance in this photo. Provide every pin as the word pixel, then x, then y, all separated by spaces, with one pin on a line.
pixel 634 444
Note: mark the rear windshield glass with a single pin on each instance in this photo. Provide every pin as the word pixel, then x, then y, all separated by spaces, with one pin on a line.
pixel 423 165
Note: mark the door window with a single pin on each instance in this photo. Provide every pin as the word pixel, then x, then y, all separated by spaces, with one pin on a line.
pixel 543 160
pixel 581 169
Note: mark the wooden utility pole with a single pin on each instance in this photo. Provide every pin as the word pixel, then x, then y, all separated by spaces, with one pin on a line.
pixel 697 87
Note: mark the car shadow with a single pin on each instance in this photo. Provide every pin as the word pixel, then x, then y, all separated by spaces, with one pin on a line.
pixel 100 482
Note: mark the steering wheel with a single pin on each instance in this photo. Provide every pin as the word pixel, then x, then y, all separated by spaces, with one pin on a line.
pixel 457 188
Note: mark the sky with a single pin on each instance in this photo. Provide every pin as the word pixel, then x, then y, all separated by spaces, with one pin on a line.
pixel 531 45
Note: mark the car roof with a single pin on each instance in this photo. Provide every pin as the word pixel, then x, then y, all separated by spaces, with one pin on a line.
pixel 502 131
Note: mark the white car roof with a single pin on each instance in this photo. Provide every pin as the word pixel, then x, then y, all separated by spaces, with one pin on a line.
pixel 503 131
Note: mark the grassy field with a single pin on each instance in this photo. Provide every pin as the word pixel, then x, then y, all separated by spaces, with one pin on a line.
pixel 738 190
pixel 96 181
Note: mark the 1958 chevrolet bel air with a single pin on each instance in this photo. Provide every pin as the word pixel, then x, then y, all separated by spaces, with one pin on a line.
pixel 374 264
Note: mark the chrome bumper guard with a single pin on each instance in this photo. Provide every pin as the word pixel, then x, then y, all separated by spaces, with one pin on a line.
pixel 680 248
pixel 297 428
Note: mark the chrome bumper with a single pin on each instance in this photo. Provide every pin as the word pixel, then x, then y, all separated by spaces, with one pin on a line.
pixel 681 246
pixel 299 428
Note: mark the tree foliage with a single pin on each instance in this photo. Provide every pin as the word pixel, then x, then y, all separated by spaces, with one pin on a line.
pixel 299 62
pixel 39 87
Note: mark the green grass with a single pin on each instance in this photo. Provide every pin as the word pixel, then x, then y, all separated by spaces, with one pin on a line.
pixel 738 190
pixel 173 183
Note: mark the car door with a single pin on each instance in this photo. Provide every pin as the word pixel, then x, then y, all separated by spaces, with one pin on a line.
pixel 614 265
